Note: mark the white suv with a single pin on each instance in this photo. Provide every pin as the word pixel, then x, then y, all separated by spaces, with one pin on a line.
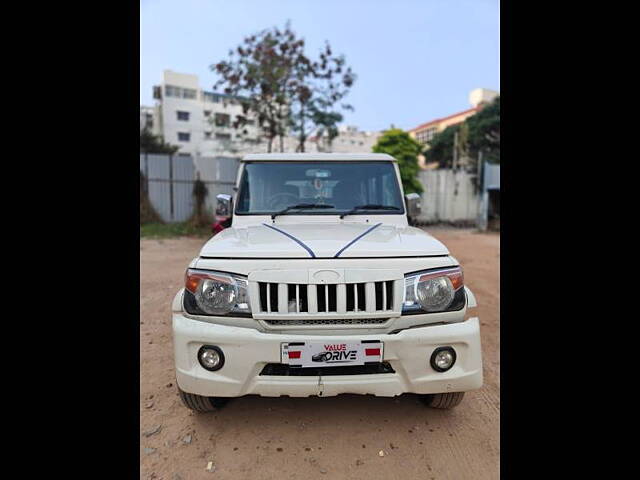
pixel 321 287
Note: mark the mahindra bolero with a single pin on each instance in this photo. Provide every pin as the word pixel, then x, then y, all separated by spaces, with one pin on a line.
pixel 321 286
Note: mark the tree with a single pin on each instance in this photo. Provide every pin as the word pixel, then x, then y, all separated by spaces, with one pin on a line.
pixel 327 122
pixel 200 218
pixel 405 149
pixel 316 89
pixel 484 132
pixel 441 147
pixel 150 143
pixel 257 73
pixel 277 83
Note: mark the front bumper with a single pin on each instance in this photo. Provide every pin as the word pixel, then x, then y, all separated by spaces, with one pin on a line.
pixel 248 350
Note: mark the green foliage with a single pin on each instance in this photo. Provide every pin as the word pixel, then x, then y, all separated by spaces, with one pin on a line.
pixel 200 217
pixel 170 230
pixel 147 212
pixel 327 122
pixel 441 147
pixel 484 132
pixel 150 143
pixel 478 132
pixel 405 149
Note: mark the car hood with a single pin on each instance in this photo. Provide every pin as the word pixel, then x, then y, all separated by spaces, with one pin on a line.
pixel 325 240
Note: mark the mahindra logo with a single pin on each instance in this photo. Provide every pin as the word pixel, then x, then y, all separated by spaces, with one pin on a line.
pixel 326 276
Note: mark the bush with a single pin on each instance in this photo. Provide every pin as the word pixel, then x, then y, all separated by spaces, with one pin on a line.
pixel 147 212
pixel 200 217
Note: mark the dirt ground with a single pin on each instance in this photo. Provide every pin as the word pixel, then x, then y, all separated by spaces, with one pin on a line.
pixel 308 438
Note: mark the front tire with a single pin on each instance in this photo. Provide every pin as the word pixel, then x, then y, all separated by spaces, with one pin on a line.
pixel 443 400
pixel 200 404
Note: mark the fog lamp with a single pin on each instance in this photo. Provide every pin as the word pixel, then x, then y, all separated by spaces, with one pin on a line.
pixel 211 358
pixel 443 358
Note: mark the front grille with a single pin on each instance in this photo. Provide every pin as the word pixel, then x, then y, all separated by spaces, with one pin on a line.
pixel 283 370
pixel 337 321
pixel 326 298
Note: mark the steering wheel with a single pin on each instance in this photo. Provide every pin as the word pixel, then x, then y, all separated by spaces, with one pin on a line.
pixel 279 200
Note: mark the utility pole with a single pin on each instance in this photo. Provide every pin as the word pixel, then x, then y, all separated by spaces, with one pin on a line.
pixel 455 150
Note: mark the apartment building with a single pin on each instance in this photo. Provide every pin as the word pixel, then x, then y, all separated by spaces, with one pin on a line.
pixel 199 121
pixel 477 98
pixel 349 140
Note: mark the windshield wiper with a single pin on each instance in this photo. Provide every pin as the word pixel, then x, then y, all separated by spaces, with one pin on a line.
pixel 369 207
pixel 300 205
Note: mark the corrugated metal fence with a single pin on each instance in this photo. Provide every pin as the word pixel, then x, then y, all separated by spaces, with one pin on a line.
pixel 170 178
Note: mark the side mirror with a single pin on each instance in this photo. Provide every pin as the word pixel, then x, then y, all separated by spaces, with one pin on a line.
pixel 413 205
pixel 224 207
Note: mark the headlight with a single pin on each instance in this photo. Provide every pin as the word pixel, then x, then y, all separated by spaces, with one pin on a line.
pixel 216 293
pixel 434 291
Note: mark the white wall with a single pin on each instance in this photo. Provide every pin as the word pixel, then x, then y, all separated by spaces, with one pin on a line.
pixel 448 197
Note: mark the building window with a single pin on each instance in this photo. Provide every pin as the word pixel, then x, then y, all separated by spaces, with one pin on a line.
pixel 171 91
pixel 207 135
pixel 178 92
pixel 184 116
pixel 211 97
pixel 223 136
pixel 222 120
pixel 247 122
pixel 207 113
pixel 424 136
pixel 184 137
pixel 189 93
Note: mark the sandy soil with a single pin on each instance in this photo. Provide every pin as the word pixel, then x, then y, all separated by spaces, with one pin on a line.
pixel 308 438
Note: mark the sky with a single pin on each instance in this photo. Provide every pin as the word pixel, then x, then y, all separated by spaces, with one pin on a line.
pixel 416 60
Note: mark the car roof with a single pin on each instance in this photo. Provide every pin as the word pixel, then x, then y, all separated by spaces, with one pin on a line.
pixel 293 157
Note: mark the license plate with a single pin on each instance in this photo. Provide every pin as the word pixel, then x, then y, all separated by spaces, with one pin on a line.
pixel 331 354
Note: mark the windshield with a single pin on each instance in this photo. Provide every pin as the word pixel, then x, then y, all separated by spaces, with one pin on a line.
pixel 270 187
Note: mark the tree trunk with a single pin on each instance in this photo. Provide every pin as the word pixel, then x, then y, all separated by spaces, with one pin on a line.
pixel 301 138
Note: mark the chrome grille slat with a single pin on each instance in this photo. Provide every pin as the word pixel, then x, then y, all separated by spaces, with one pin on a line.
pixel 341 300
pixel 384 295
pixel 370 297
pixel 326 298
pixel 355 296
pixel 283 300
pixel 269 297
pixel 312 298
